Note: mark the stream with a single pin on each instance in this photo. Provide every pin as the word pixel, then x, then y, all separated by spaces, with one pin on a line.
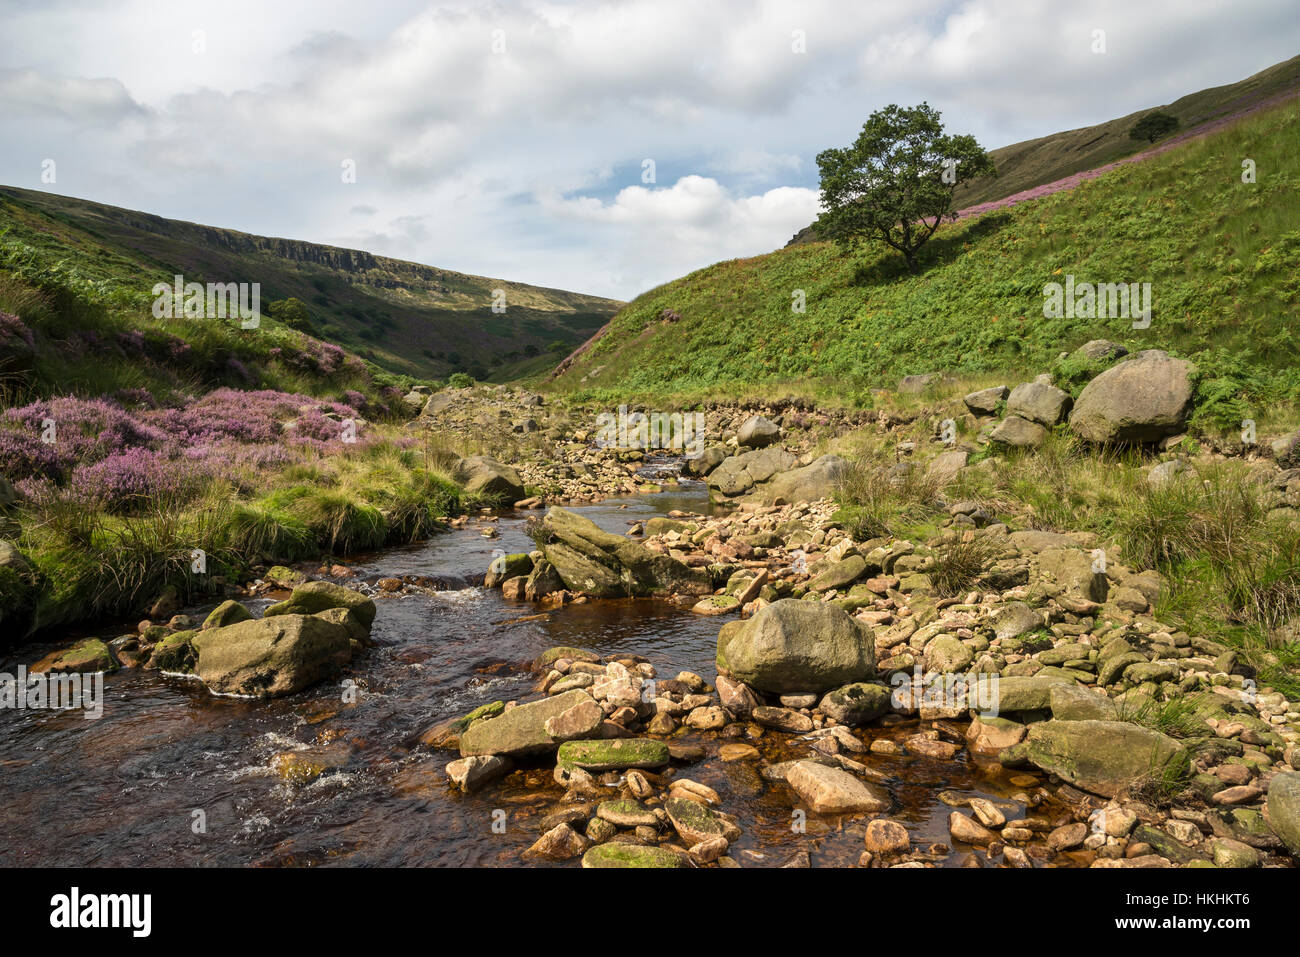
pixel 172 775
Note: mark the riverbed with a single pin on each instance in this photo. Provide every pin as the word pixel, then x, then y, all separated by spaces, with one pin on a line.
pixel 173 775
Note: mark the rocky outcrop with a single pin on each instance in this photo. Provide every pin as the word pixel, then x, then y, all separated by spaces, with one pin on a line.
pixel 593 561
pixel 818 480
pixel 1140 400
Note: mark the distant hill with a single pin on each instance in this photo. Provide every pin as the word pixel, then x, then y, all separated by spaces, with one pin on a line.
pixel 408 318
pixel 1035 162
pixel 1221 256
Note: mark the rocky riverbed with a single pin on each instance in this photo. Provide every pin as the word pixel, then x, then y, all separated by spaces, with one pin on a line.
pixel 706 669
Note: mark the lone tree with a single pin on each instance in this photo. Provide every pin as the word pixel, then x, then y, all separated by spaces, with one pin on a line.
pixel 1153 126
pixel 895 183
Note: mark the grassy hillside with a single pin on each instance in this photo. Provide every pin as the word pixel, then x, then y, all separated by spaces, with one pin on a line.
pixel 1223 259
pixel 1034 162
pixel 129 441
pixel 407 318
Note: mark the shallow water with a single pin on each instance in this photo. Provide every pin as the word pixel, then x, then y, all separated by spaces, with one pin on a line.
pixel 133 787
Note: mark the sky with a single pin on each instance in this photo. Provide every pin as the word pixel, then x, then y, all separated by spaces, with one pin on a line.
pixel 603 146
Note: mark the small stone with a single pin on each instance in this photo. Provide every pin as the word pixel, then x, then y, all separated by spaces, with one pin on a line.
pixel 887 837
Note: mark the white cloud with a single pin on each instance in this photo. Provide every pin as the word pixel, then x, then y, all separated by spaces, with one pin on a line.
pixel 526 164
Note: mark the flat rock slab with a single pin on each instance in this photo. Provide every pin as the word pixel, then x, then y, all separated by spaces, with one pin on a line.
pixel 832 791
pixel 520 730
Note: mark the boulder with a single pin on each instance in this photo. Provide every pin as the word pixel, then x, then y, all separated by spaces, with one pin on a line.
pixel 505 567
pixel 757 433
pixel 1103 757
pixel 469 774
pixel 229 612
pixel 271 656
pixel 1039 402
pixel 632 855
pixel 856 704
pixel 1284 809
pixel 520 730
pixel 616 754
pixel 1143 399
pixel 484 476
pixel 1099 350
pixel 85 657
pixel 839 574
pixel 591 560
pixel 816 481
pixel 1015 432
pixel 739 473
pixel 793 646
pixel 318 596
pixel 985 401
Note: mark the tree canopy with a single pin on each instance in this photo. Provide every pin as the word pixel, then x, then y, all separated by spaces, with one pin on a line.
pixel 895 183
pixel 1153 126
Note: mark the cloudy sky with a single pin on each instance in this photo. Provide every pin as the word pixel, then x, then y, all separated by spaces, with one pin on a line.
pixel 512 139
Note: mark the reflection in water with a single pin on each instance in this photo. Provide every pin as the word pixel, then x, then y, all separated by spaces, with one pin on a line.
pixel 172 775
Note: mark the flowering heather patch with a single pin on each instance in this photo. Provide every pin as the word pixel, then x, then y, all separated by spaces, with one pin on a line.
pixel 12 332
pixel 109 455
pixel 137 474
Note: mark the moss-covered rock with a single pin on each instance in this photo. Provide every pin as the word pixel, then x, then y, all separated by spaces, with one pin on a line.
pixel 520 730
pixel 1105 757
pixel 271 656
pixel 85 657
pixel 631 855
pixel 229 612
pixel 175 653
pixel 856 703
pixel 318 596
pixel 615 754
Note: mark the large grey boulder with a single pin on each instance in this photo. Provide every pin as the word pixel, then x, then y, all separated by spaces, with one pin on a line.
pixel 758 432
pixel 265 657
pixel 1140 400
pixel 818 480
pixel 739 473
pixel 482 475
pixel 1018 433
pixel 1103 757
pixel 1039 402
pixel 793 646
pixel 985 401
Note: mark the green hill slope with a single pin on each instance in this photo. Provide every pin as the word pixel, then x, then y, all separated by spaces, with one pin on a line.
pixel 407 318
pixel 1031 163
pixel 1223 258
